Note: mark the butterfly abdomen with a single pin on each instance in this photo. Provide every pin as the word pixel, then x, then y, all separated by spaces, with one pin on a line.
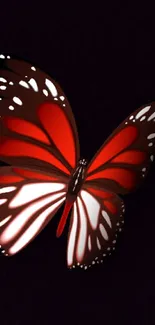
pixel 67 208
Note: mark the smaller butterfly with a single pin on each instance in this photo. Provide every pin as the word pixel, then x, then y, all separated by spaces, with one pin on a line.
pixel 39 141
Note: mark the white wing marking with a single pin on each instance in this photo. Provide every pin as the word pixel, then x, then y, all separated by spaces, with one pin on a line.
pixel 33 84
pixel 24 84
pixel 17 100
pixel 92 207
pixel 98 243
pixel 151 117
pixel 106 217
pixel 2 201
pixel 82 233
pixel 51 87
pixel 72 237
pixel 89 243
pixel 3 80
pixel 103 232
pixel 22 218
pixel 33 229
pixel 142 112
pixel 5 220
pixel 7 189
pixel 30 192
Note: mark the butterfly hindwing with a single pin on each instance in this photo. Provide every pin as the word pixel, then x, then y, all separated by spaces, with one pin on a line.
pixel 28 201
pixel 36 121
pixel 96 218
pixel 124 159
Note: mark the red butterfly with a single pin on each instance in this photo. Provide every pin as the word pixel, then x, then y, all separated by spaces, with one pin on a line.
pixel 39 140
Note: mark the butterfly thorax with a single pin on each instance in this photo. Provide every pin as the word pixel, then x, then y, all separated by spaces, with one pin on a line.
pixel 77 178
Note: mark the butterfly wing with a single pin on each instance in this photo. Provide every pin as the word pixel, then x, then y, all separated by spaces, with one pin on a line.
pixel 96 218
pixel 28 201
pixel 124 159
pixel 37 125
pixel 118 167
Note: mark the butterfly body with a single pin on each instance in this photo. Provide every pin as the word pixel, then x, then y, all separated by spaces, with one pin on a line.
pixel 75 184
pixel 77 178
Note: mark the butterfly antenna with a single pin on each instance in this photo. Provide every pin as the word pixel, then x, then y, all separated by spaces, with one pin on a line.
pixel 62 223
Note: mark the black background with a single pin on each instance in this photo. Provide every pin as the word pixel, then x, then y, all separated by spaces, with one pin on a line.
pixel 104 59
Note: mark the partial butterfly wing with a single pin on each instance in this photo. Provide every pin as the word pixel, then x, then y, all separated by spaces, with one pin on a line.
pixel 124 159
pixel 28 201
pixel 96 218
pixel 37 125
pixel 118 167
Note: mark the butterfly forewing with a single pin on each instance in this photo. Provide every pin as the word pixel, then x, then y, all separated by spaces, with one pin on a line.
pixel 124 159
pixel 96 218
pixel 36 120
pixel 28 201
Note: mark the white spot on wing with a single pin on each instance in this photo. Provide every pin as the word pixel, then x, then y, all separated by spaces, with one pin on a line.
pixel 103 231
pixel 50 85
pixel 24 84
pixel 72 237
pixel 33 68
pixel 3 80
pixel 152 157
pixel 2 87
pixel 92 207
pixel 142 118
pixel 62 98
pixel 11 108
pixel 151 136
pixel 151 117
pixel 17 100
pixel 106 217
pixel 143 111
pixel 33 84
pixel 11 83
pixel 2 56
pixel 45 92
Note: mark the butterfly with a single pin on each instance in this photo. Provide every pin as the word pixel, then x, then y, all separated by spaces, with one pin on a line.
pixel 39 142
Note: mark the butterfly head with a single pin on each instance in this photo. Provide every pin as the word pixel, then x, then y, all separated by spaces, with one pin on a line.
pixel 82 162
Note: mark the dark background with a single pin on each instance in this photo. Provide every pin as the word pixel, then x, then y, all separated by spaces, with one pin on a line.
pixel 104 59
